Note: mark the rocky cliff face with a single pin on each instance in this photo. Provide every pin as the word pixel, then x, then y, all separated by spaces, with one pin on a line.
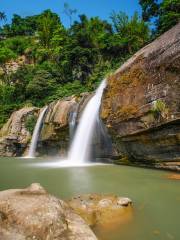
pixel 14 136
pixel 141 105
pixel 55 134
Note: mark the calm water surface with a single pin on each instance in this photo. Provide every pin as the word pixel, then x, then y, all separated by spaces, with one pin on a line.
pixel 156 198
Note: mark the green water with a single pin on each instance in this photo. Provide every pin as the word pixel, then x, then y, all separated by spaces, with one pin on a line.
pixel 156 199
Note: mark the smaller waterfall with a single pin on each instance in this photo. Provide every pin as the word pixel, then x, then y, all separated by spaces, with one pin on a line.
pixel 36 133
pixel 80 149
pixel 72 121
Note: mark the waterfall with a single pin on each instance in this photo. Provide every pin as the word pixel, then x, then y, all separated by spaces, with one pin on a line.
pixel 72 121
pixel 36 133
pixel 80 149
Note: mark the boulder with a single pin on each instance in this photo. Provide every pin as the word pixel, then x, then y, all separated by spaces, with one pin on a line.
pixel 141 104
pixel 101 211
pixel 32 213
pixel 14 136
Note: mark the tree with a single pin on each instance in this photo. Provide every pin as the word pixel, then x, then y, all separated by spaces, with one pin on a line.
pixel 48 23
pixel 86 45
pixel 69 12
pixel 165 14
pixel 2 16
pixel 169 15
pixel 150 9
pixel 58 42
pixel 133 32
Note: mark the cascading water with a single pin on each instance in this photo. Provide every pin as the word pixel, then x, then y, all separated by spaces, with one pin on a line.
pixel 72 122
pixel 36 133
pixel 79 152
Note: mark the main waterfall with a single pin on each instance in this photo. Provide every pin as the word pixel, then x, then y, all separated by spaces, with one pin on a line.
pixel 36 133
pixel 79 152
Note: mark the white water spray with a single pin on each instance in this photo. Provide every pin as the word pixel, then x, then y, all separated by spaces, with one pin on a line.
pixel 79 152
pixel 36 133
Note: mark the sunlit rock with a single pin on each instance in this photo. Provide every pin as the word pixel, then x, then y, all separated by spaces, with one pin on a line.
pixel 32 213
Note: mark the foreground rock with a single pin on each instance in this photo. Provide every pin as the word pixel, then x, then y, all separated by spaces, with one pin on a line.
pixel 14 136
pixel 32 213
pixel 141 105
pixel 102 210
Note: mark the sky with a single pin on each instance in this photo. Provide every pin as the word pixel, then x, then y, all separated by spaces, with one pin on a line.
pixel 101 8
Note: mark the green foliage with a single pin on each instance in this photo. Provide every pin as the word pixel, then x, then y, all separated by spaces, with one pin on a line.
pixel 133 33
pixel 159 106
pixel 149 9
pixel 30 123
pixel 17 44
pixel 6 94
pixel 5 112
pixel 68 89
pixel 47 24
pixel 6 54
pixel 20 26
pixel 41 86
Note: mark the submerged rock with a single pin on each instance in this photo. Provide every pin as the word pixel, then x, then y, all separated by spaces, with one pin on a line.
pixel 141 104
pixel 102 210
pixel 32 213
pixel 174 176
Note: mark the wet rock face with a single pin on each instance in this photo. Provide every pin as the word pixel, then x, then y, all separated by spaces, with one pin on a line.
pixel 141 105
pixel 32 213
pixel 14 136
pixel 55 135
pixel 102 210
pixel 55 132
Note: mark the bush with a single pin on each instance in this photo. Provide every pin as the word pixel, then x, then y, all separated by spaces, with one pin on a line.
pixel 159 110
